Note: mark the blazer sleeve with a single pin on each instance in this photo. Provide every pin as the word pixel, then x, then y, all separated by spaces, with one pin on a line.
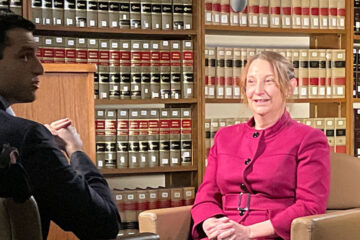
pixel 313 183
pixel 75 196
pixel 208 197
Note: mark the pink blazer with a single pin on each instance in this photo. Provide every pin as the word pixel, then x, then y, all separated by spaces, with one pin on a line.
pixel 282 173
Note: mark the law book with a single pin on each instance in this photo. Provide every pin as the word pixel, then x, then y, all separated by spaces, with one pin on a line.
pixel 119 197
pixel 103 72
pixel 229 77
pixel 130 213
pixel 175 69
pixel 59 50
pixel 295 56
pixel 175 136
pixel 237 68
pixel 81 50
pixel 286 15
pixel 305 14
pixel 103 13
pixel 187 69
pixel 275 13
pixel 104 66
pixel 135 79
pixel 166 14
pixel 124 14
pixel 122 139
pixel 296 13
pixel 322 73
pixel 356 20
pixel 186 137
pixel 319 123
pixel 110 138
pixel 338 73
pixel 329 82
pixel 324 14
pixel 144 137
pixel 146 14
pixel 178 14
pixel 134 145
pixel 164 152
pixel 264 12
pixel 155 65
pixel 4 4
pixel 153 197
pixel 314 14
pixel 216 12
pixel 92 13
pixel 114 69
pixel 36 12
pixel 304 73
pixel 70 50
pixel 114 13
pixel 57 12
pixel 220 73
pixel 145 70
pixel 46 8
pixel 330 132
pixel 212 72
pixel 16 6
pixel 207 136
pixel 340 135
pixel 125 69
pixel 243 17
pixel 69 12
pixel 357 71
pixel 341 13
pixel 189 196
pixel 253 13
pixel 234 17
pixel 224 12
pixel 154 135
pixel 208 12
pixel 165 70
pixel 188 14
pixel 250 52
pixel 156 14
pixel 81 13
pixel 206 72
pixel 356 142
pixel 142 203
pixel 177 197
pixel 164 198
pixel 214 126
pixel 314 63
pixel 100 137
pixel 333 14
pixel 49 49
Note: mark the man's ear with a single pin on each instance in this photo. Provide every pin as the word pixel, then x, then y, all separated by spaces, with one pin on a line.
pixel 292 86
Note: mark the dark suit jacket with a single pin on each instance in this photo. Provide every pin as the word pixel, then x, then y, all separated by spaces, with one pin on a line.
pixel 75 196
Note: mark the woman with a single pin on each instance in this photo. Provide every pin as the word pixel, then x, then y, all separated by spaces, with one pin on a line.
pixel 264 173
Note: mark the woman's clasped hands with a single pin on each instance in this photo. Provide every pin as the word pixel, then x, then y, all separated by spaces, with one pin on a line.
pixel 225 229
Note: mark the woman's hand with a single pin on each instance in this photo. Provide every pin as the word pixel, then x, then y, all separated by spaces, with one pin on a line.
pixel 215 226
pixel 235 231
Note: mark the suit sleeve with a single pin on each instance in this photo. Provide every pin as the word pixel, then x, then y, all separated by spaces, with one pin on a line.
pixel 208 197
pixel 313 183
pixel 75 196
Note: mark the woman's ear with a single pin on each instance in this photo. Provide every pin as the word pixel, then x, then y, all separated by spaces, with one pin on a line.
pixel 292 86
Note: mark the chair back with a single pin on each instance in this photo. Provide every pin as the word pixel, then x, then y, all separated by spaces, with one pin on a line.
pixel 19 221
pixel 344 183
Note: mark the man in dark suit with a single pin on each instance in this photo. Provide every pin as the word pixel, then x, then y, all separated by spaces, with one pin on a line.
pixel 74 195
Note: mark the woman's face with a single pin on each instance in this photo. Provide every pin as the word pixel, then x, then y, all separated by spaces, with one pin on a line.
pixel 262 91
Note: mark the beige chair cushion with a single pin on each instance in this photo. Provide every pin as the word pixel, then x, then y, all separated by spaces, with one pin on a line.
pixel 344 184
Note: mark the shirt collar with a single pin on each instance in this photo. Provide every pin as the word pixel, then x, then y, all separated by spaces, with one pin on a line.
pixel 4 104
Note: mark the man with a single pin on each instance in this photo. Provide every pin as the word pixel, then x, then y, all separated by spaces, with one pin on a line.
pixel 75 196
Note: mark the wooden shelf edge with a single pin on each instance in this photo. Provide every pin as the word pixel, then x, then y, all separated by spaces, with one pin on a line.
pixel 356 100
pixel 116 171
pixel 115 30
pixel 306 100
pixel 356 37
pixel 143 101
pixel 301 31
pixel 66 67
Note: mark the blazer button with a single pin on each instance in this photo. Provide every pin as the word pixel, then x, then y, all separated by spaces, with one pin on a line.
pixel 255 134
pixel 243 187
pixel 247 161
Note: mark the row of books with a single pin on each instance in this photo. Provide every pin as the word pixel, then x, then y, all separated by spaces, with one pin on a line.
pixel 357 131
pixel 356 70
pixel 320 73
pixel 357 17
pixel 128 69
pixel 13 5
pixel 333 128
pixel 130 202
pixel 314 14
pixel 133 138
pixel 123 14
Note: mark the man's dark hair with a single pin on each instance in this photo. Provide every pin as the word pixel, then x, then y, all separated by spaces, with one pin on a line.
pixel 8 21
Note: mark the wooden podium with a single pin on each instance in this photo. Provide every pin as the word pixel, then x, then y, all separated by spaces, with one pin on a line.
pixel 66 90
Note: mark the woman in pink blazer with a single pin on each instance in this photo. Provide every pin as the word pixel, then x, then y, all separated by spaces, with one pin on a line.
pixel 264 173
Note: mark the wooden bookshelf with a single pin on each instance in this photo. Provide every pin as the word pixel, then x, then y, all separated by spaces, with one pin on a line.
pixel 127 171
pixel 144 101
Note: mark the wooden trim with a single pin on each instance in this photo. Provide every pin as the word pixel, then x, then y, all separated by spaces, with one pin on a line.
pixel 116 171
pixel 69 68
pixel 356 37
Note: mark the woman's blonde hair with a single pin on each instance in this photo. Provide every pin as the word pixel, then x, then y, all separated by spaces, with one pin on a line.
pixel 283 69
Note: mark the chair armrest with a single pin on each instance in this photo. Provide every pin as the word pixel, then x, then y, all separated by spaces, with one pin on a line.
pixel 342 224
pixel 169 223
pixel 140 236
